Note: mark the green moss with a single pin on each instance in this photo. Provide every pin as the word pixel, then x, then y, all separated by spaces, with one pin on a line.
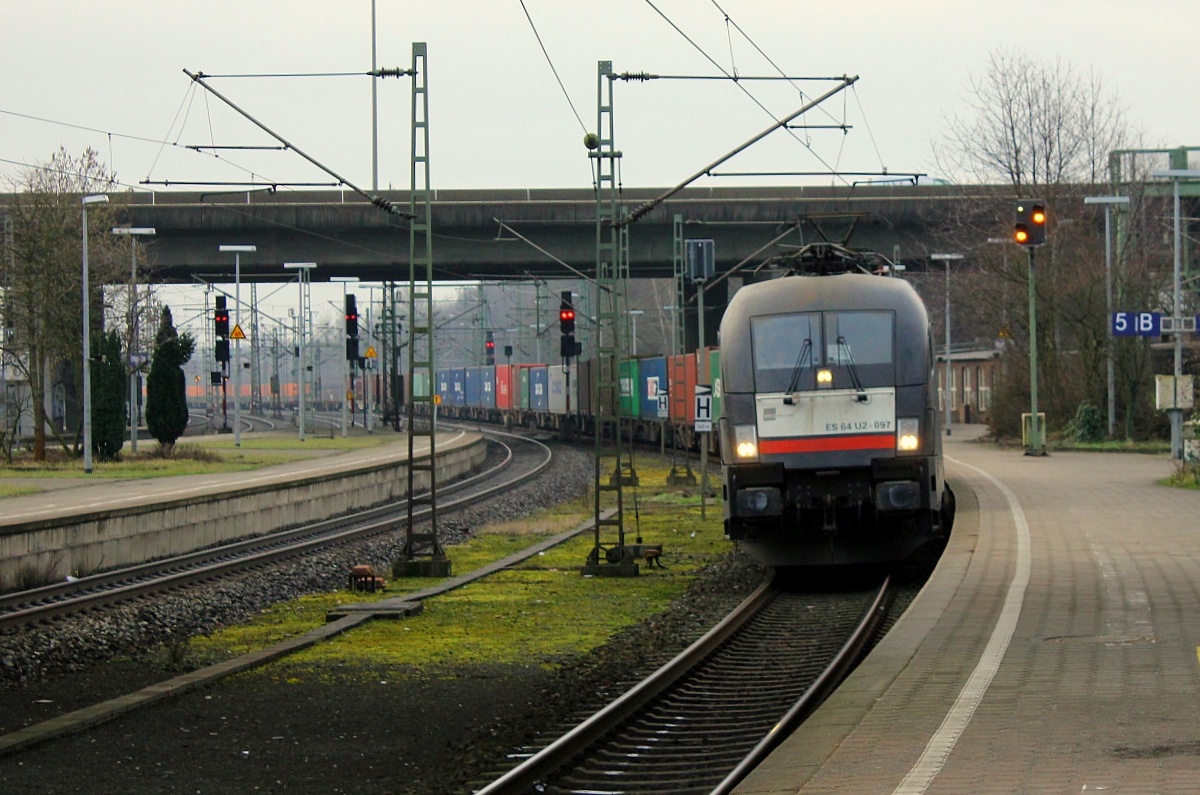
pixel 1187 476
pixel 1153 446
pixel 8 490
pixel 540 612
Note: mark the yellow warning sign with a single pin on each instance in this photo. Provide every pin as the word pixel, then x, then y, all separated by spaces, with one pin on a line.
pixel 437 400
pixel 237 333
pixel 371 352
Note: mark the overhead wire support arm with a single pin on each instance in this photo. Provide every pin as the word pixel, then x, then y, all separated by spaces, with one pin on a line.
pixel 506 228
pixel 644 76
pixel 380 202
pixel 222 183
pixel 395 71
pixel 198 147
pixel 845 83
pixel 911 176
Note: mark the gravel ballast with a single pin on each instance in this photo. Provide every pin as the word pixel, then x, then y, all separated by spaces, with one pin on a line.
pixel 387 731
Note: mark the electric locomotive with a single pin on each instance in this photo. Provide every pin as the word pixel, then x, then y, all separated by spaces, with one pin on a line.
pixel 829 439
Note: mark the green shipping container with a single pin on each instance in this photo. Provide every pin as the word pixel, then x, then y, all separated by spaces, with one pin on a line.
pixel 523 388
pixel 631 405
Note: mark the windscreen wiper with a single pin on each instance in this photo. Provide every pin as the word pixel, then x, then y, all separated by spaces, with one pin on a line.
pixel 805 356
pixel 861 395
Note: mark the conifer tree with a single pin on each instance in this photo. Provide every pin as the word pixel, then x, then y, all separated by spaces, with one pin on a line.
pixel 166 388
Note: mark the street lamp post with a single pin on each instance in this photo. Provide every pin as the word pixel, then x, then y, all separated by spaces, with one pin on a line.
pixel 133 232
pixel 1109 202
pixel 1176 414
pixel 345 361
pixel 99 198
pixel 237 251
pixel 303 268
pixel 948 396
pixel 633 314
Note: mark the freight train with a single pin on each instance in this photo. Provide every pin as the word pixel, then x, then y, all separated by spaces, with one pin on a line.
pixel 657 396
pixel 826 410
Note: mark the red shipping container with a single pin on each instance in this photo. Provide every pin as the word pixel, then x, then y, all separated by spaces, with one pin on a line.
pixel 681 371
pixel 504 392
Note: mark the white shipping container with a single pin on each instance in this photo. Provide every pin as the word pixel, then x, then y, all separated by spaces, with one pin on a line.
pixel 558 389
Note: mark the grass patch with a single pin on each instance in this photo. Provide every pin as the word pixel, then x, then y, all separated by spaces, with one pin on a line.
pixel 542 612
pixel 9 490
pixel 201 455
pixel 187 460
pixel 1186 476
pixel 311 442
pixel 1150 447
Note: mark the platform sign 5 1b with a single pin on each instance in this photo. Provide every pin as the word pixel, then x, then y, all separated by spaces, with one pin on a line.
pixel 1136 324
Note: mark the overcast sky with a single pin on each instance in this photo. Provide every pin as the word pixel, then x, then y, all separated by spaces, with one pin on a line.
pixel 498 117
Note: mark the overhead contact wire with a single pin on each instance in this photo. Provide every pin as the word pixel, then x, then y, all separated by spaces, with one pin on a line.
pixel 767 58
pixel 744 90
pixel 554 71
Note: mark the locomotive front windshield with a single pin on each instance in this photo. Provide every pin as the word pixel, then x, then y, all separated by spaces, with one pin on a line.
pixel 858 347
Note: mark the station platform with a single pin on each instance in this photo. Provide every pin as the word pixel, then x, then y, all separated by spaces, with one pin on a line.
pixel 63 497
pixel 81 525
pixel 1055 649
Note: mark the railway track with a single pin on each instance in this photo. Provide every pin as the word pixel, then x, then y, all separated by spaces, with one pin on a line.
pixel 704 720
pixel 86 593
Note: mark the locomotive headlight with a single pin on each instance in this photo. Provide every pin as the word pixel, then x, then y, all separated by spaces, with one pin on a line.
pixel 745 441
pixel 908 435
pixel 824 378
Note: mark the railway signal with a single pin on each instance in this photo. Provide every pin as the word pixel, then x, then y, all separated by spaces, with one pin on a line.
pixel 221 318
pixel 566 314
pixel 221 328
pixel 351 316
pixel 351 328
pixel 490 352
pixel 567 346
pixel 1029 227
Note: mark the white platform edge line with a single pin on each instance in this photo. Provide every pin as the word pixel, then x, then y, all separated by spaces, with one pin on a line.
pixel 944 739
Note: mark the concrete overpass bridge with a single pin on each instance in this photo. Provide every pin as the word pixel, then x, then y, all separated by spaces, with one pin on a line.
pixel 347 236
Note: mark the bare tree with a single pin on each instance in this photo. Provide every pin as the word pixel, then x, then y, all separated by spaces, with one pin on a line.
pixel 1040 130
pixel 43 273
pixel 1034 125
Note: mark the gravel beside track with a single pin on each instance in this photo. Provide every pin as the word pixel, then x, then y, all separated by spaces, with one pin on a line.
pixel 378 735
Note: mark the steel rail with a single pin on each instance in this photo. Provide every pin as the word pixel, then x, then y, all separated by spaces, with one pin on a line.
pixel 821 688
pixel 534 771
pixel 562 750
pixel 101 589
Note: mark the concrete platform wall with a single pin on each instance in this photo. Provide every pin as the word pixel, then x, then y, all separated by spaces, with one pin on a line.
pixel 92 541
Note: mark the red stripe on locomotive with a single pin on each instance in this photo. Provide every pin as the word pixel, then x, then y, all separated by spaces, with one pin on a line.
pixel 826 444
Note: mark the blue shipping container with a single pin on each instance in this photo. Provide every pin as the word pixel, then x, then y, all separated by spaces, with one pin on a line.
pixel 474 388
pixel 444 389
pixel 488 398
pixel 539 389
pixel 652 384
pixel 458 386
